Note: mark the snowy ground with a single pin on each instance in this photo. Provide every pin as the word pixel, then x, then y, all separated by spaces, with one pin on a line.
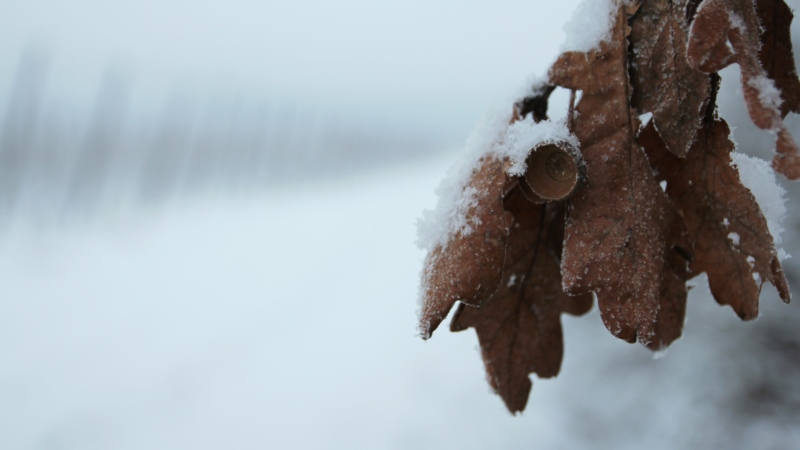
pixel 286 320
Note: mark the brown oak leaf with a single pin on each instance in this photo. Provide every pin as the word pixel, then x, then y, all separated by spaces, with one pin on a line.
pixel 728 31
pixel 731 241
pixel 470 266
pixel 776 54
pixel 519 328
pixel 622 231
pixel 663 81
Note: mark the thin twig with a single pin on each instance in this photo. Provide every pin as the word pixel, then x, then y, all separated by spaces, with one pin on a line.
pixel 571 111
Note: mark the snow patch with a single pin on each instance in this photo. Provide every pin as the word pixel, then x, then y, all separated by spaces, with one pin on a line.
pixel 645 119
pixel 590 24
pixel 526 134
pixel 734 237
pixel 736 21
pixel 757 176
pixel 768 94
pixel 449 217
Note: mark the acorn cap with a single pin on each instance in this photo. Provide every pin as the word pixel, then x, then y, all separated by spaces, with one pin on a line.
pixel 555 172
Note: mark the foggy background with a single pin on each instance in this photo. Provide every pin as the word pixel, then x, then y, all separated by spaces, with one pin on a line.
pixel 207 226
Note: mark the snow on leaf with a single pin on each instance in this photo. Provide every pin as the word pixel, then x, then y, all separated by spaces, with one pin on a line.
pixel 495 136
pixel 759 178
pixel 451 218
pixel 469 267
pixel 768 94
pixel 728 31
pixel 526 134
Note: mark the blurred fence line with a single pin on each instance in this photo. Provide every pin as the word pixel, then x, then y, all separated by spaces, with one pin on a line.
pixel 54 164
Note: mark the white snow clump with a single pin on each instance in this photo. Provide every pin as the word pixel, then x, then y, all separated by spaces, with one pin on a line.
pixel 757 176
pixel 735 20
pixel 591 23
pixel 768 94
pixel 525 134
pixel 449 217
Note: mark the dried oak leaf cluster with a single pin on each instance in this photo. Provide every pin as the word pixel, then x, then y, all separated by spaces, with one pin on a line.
pixel 596 222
